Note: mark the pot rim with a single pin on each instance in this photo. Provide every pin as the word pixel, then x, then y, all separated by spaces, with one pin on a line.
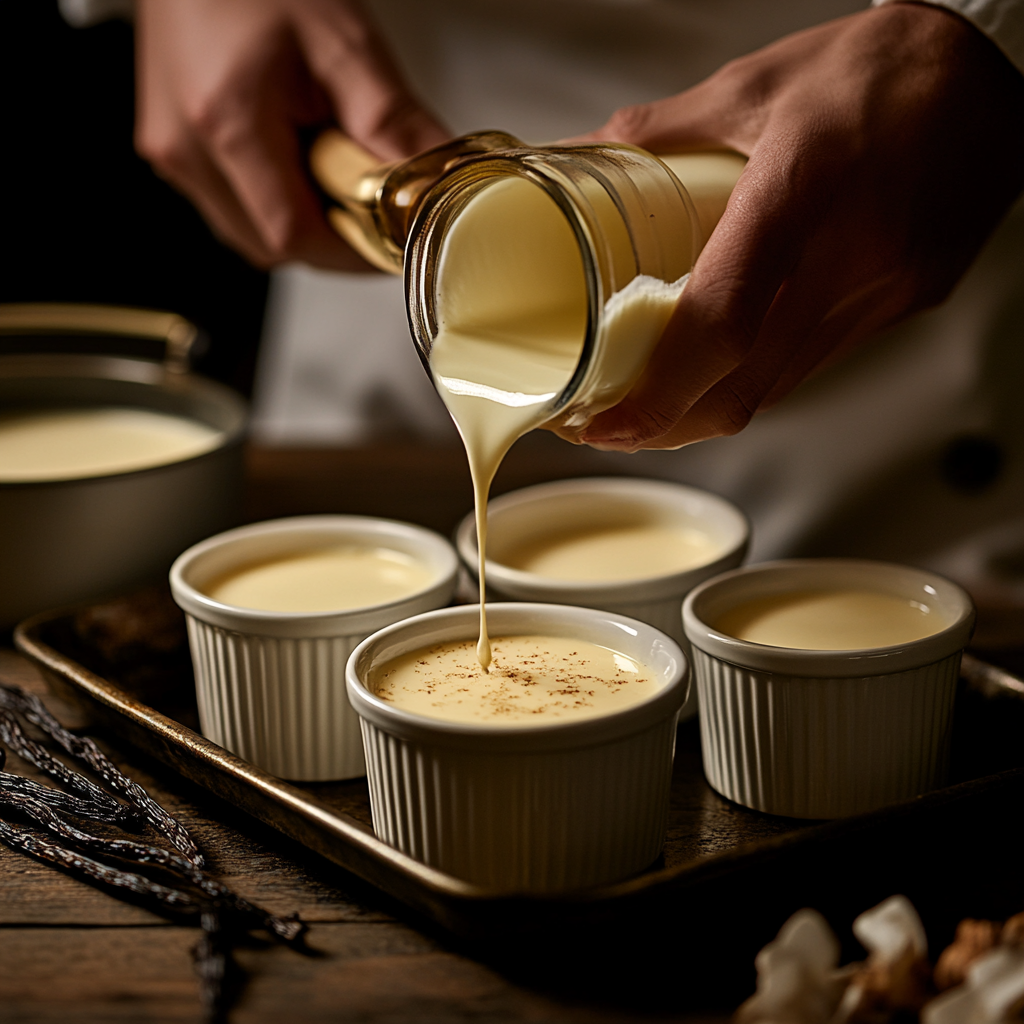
pixel 130 370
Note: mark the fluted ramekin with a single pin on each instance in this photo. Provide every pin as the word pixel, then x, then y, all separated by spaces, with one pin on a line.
pixel 656 600
pixel 523 808
pixel 825 734
pixel 271 685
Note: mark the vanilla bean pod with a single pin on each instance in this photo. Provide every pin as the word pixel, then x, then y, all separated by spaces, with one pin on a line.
pixel 15 699
pixel 286 929
pixel 40 846
pixel 57 799
pixel 54 798
pixel 212 956
pixel 212 953
pixel 40 804
pixel 14 736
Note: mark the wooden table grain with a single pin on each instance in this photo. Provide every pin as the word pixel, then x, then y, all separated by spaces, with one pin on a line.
pixel 70 952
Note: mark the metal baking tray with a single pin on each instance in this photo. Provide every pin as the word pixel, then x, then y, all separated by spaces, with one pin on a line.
pixel 728 876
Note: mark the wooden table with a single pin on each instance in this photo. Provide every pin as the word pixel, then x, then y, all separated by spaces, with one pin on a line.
pixel 71 953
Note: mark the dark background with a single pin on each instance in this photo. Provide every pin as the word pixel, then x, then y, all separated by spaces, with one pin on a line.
pixel 82 218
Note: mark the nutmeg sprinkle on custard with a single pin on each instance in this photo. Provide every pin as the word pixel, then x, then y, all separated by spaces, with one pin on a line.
pixel 533 680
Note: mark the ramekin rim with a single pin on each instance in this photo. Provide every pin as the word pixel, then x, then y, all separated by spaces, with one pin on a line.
pixel 195 602
pixel 411 723
pixel 814 663
pixel 583 590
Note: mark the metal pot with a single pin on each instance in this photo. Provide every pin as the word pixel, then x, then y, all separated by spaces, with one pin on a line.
pixel 65 541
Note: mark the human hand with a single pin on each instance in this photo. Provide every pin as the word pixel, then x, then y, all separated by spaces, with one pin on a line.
pixel 224 87
pixel 884 148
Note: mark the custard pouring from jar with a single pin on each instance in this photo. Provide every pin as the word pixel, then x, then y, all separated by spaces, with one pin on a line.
pixel 607 214
pixel 538 279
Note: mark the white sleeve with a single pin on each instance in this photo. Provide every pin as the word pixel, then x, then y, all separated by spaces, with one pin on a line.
pixel 1001 20
pixel 83 13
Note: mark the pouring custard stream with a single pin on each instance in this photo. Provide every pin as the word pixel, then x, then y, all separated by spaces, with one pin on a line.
pixel 511 329
pixel 512 317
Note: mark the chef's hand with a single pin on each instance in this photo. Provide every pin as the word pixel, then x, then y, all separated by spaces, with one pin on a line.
pixel 225 85
pixel 884 148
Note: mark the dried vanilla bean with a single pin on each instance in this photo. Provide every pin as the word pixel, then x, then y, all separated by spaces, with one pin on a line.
pixel 58 799
pixel 40 846
pixel 127 849
pixel 41 805
pixel 14 736
pixel 212 956
pixel 15 699
pixel 286 929
pixel 80 807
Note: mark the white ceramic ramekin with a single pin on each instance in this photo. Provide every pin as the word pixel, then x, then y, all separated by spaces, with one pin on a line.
pixel 532 511
pixel 271 685
pixel 825 734
pixel 523 808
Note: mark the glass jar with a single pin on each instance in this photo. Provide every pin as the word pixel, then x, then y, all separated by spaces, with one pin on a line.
pixel 630 214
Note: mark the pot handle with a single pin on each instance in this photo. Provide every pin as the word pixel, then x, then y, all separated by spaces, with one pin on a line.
pixel 177 333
